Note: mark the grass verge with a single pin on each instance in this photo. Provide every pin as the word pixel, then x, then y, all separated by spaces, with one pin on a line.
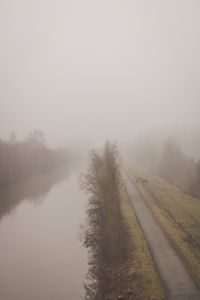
pixel 146 282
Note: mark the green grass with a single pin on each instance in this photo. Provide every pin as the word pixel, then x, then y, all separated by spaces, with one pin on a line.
pixel 147 276
pixel 177 213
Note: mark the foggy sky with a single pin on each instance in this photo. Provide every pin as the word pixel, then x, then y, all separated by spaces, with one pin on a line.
pixel 91 70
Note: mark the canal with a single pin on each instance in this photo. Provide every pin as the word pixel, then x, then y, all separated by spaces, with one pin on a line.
pixel 41 256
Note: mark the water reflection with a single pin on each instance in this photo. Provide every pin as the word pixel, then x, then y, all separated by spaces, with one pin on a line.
pixel 32 190
pixel 40 254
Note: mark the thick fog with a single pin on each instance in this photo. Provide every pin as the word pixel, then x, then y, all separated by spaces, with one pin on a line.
pixel 91 70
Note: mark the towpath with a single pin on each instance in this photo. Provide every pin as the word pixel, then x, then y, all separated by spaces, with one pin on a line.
pixel 177 281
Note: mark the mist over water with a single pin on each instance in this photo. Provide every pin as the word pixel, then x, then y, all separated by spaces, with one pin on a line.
pixel 33 190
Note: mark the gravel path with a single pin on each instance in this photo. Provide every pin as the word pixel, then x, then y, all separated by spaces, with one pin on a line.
pixel 177 281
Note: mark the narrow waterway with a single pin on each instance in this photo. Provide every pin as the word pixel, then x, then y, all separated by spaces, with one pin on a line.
pixel 41 256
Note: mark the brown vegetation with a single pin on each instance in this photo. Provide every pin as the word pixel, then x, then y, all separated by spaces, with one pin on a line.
pixel 106 235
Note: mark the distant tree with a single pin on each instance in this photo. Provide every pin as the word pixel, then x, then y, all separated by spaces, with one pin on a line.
pixel 194 184
pixel 173 163
pixel 20 160
pixel 13 138
pixel 146 153
pixel 36 138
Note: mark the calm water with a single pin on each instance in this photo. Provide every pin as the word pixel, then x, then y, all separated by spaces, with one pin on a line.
pixel 41 256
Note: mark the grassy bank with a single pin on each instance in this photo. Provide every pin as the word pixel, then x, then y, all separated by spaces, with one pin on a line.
pixel 177 213
pixel 146 282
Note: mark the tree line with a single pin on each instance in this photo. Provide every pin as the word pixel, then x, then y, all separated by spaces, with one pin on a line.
pixel 22 159
pixel 171 163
